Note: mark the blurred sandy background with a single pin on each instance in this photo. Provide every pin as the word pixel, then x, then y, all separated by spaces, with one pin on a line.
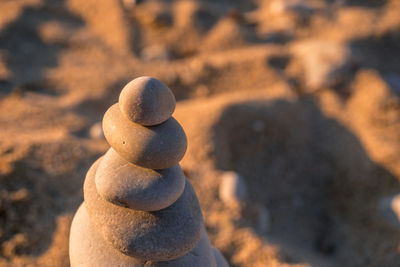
pixel 301 99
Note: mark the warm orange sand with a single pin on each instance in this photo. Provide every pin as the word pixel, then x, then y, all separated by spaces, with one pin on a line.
pixel 301 101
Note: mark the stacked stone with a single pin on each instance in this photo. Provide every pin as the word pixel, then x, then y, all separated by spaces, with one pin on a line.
pixel 139 209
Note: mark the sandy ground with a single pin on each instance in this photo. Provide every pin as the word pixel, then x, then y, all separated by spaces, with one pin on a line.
pixel 300 98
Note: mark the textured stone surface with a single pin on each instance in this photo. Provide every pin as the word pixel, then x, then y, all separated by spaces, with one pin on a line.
pixel 87 248
pixel 129 185
pixel 160 235
pixel 147 101
pixel 139 208
pixel 201 256
pixel 155 147
pixel 219 259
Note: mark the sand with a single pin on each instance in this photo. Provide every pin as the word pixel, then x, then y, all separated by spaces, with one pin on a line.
pixel 300 98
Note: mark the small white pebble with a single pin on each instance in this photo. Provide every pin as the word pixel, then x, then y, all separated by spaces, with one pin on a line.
pixel 232 189
pixel 389 208
pixel 96 131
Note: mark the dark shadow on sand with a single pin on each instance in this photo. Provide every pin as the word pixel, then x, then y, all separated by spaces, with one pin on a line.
pixel 27 55
pixel 315 178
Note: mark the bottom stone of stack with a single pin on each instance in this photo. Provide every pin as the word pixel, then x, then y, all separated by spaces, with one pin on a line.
pixel 87 249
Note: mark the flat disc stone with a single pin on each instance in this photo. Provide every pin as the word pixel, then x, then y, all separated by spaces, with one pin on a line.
pixel 154 147
pixel 131 186
pixel 147 101
pixel 87 248
pixel 159 235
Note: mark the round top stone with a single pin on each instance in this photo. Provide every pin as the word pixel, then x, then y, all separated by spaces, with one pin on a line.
pixel 147 101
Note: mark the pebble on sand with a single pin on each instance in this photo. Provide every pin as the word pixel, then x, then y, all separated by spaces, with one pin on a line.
pixel 232 189
pixel 96 131
pixel 324 63
pixel 389 208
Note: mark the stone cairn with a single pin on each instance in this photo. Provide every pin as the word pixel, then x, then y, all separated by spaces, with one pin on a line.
pixel 139 209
